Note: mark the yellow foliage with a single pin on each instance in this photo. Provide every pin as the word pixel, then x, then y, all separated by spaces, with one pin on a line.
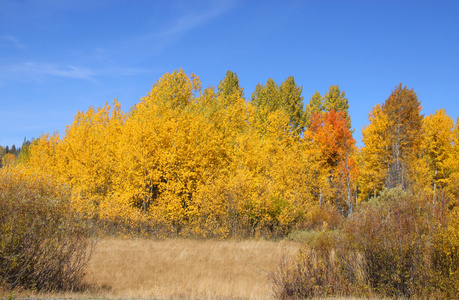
pixel 436 149
pixel 8 160
pixel 375 154
pixel 196 162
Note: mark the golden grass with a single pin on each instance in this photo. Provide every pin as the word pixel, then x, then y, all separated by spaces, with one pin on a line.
pixel 185 268
pixel 178 269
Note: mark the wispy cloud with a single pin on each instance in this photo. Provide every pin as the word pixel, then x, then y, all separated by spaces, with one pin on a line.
pixel 41 72
pixel 38 71
pixel 164 33
pixel 195 19
pixel 9 40
pixel 191 19
pixel 122 71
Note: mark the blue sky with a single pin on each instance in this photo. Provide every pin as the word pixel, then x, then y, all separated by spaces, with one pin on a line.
pixel 61 56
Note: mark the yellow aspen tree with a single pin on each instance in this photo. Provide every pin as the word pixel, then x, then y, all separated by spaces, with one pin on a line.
pixel 286 97
pixel 291 172
pixel 230 86
pixel 375 156
pixel 453 162
pixel 88 155
pixel 8 160
pixel 436 148
pixel 109 172
pixel 175 149
pixel 45 158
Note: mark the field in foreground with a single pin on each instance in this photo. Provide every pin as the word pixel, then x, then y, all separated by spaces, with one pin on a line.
pixel 181 268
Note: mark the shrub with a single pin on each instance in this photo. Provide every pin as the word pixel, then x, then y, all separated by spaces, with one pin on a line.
pixel 394 232
pixel 446 255
pixel 43 240
pixel 320 270
pixel 324 213
pixel 397 245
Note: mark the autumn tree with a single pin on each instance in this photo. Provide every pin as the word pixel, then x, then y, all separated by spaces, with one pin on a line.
pixel 2 153
pixel 375 155
pixel 453 162
pixel 24 154
pixel 315 105
pixel 266 98
pixel 436 149
pixel 333 99
pixel 336 100
pixel 178 147
pixel 45 157
pixel 8 160
pixel 404 133
pixel 229 85
pixel 286 97
pixel 225 109
pixel 333 140
pixel 292 101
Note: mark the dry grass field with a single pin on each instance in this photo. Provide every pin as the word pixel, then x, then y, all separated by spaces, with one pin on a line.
pixel 180 269
pixel 184 268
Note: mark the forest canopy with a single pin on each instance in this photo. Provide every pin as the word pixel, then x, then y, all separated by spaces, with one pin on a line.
pixel 209 162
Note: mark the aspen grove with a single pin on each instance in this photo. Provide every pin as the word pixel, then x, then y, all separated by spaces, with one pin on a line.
pixel 193 161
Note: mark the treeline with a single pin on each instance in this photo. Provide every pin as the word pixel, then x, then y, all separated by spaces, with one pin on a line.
pixel 207 162
pixel 10 156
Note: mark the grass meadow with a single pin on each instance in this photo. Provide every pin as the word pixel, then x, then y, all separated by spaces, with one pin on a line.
pixel 178 269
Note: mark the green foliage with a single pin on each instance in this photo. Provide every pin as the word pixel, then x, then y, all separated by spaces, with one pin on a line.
pixel 336 100
pixel 43 241
pixel 292 100
pixel 314 106
pixel 230 85
pixel 285 97
pixel 24 155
